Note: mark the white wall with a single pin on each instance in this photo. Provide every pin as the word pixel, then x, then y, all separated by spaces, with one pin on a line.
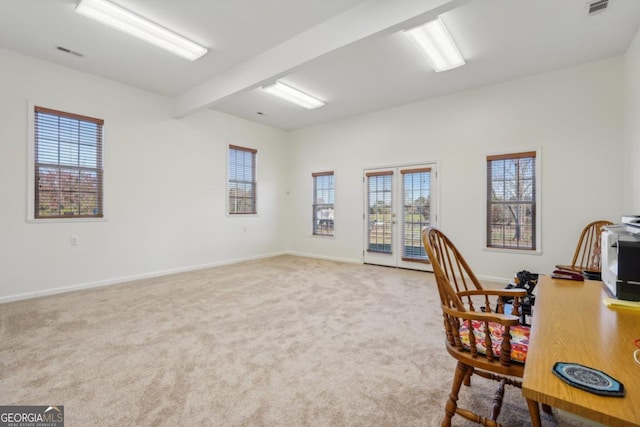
pixel 165 186
pixel 574 115
pixel 165 178
pixel 632 127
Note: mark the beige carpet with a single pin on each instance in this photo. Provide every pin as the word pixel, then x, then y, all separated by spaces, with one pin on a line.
pixel 286 341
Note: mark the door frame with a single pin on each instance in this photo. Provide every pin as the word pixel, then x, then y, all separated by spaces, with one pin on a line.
pixel 395 259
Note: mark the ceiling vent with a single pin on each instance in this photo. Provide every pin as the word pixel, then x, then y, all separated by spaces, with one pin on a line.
pixel 597 6
pixel 69 51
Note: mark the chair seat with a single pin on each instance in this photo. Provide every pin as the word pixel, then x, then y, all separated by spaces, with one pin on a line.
pixel 519 339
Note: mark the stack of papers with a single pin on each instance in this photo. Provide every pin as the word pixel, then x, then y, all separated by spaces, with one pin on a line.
pixel 620 303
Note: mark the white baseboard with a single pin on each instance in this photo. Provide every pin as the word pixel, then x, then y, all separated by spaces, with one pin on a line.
pixel 123 279
pixel 328 258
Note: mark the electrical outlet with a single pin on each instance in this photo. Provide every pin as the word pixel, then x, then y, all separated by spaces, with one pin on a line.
pixel 74 240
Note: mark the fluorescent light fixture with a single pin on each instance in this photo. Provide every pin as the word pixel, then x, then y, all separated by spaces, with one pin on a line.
pixel 128 22
pixel 437 45
pixel 293 95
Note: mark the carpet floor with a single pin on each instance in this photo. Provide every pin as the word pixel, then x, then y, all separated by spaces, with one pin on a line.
pixel 284 341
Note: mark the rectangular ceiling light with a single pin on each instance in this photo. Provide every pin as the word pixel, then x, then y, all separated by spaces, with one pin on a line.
pixel 128 22
pixel 293 95
pixel 437 45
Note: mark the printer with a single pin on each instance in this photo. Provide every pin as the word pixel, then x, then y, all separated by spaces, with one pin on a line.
pixel 620 257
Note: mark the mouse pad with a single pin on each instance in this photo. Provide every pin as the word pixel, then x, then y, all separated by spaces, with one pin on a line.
pixel 588 379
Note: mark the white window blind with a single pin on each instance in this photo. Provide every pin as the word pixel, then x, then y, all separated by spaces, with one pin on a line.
pixel 68 165
pixel 242 180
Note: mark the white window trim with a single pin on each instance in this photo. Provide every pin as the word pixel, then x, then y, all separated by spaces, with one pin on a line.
pixel 538 250
pixel 31 189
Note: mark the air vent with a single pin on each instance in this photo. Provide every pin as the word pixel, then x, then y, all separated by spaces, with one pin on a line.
pixel 69 51
pixel 598 6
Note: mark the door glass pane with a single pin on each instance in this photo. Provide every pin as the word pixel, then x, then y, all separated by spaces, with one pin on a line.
pixel 416 211
pixel 379 187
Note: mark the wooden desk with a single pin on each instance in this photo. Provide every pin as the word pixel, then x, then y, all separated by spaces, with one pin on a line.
pixel 571 324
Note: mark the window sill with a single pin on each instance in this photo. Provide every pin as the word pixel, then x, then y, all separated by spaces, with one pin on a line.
pixel 64 220
pixel 513 251
pixel 322 236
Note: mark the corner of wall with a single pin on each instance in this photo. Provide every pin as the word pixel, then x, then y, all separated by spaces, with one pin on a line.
pixel 631 184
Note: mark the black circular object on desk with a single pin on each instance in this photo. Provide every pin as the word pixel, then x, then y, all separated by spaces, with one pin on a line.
pixel 588 379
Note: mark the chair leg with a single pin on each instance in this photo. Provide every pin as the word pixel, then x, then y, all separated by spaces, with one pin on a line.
pixel 450 408
pixel 497 400
pixel 467 377
pixel 534 411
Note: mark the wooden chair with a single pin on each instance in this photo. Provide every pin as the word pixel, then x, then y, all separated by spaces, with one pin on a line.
pixel 587 255
pixel 467 306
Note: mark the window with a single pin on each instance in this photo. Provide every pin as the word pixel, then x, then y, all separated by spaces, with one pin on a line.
pixel 380 195
pixel 416 211
pixel 511 201
pixel 381 211
pixel 242 180
pixel 323 203
pixel 68 165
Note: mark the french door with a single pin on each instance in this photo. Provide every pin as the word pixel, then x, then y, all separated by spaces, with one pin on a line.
pixel 399 203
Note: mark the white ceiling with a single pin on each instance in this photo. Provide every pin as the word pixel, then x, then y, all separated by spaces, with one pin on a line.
pixel 350 53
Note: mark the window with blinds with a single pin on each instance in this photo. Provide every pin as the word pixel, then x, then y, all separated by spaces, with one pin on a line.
pixel 381 218
pixel 68 165
pixel 511 201
pixel 323 203
pixel 242 180
pixel 416 211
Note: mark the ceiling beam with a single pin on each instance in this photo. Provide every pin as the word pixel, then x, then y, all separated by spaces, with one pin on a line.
pixel 365 20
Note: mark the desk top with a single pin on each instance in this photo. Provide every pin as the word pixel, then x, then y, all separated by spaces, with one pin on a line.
pixel 571 324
